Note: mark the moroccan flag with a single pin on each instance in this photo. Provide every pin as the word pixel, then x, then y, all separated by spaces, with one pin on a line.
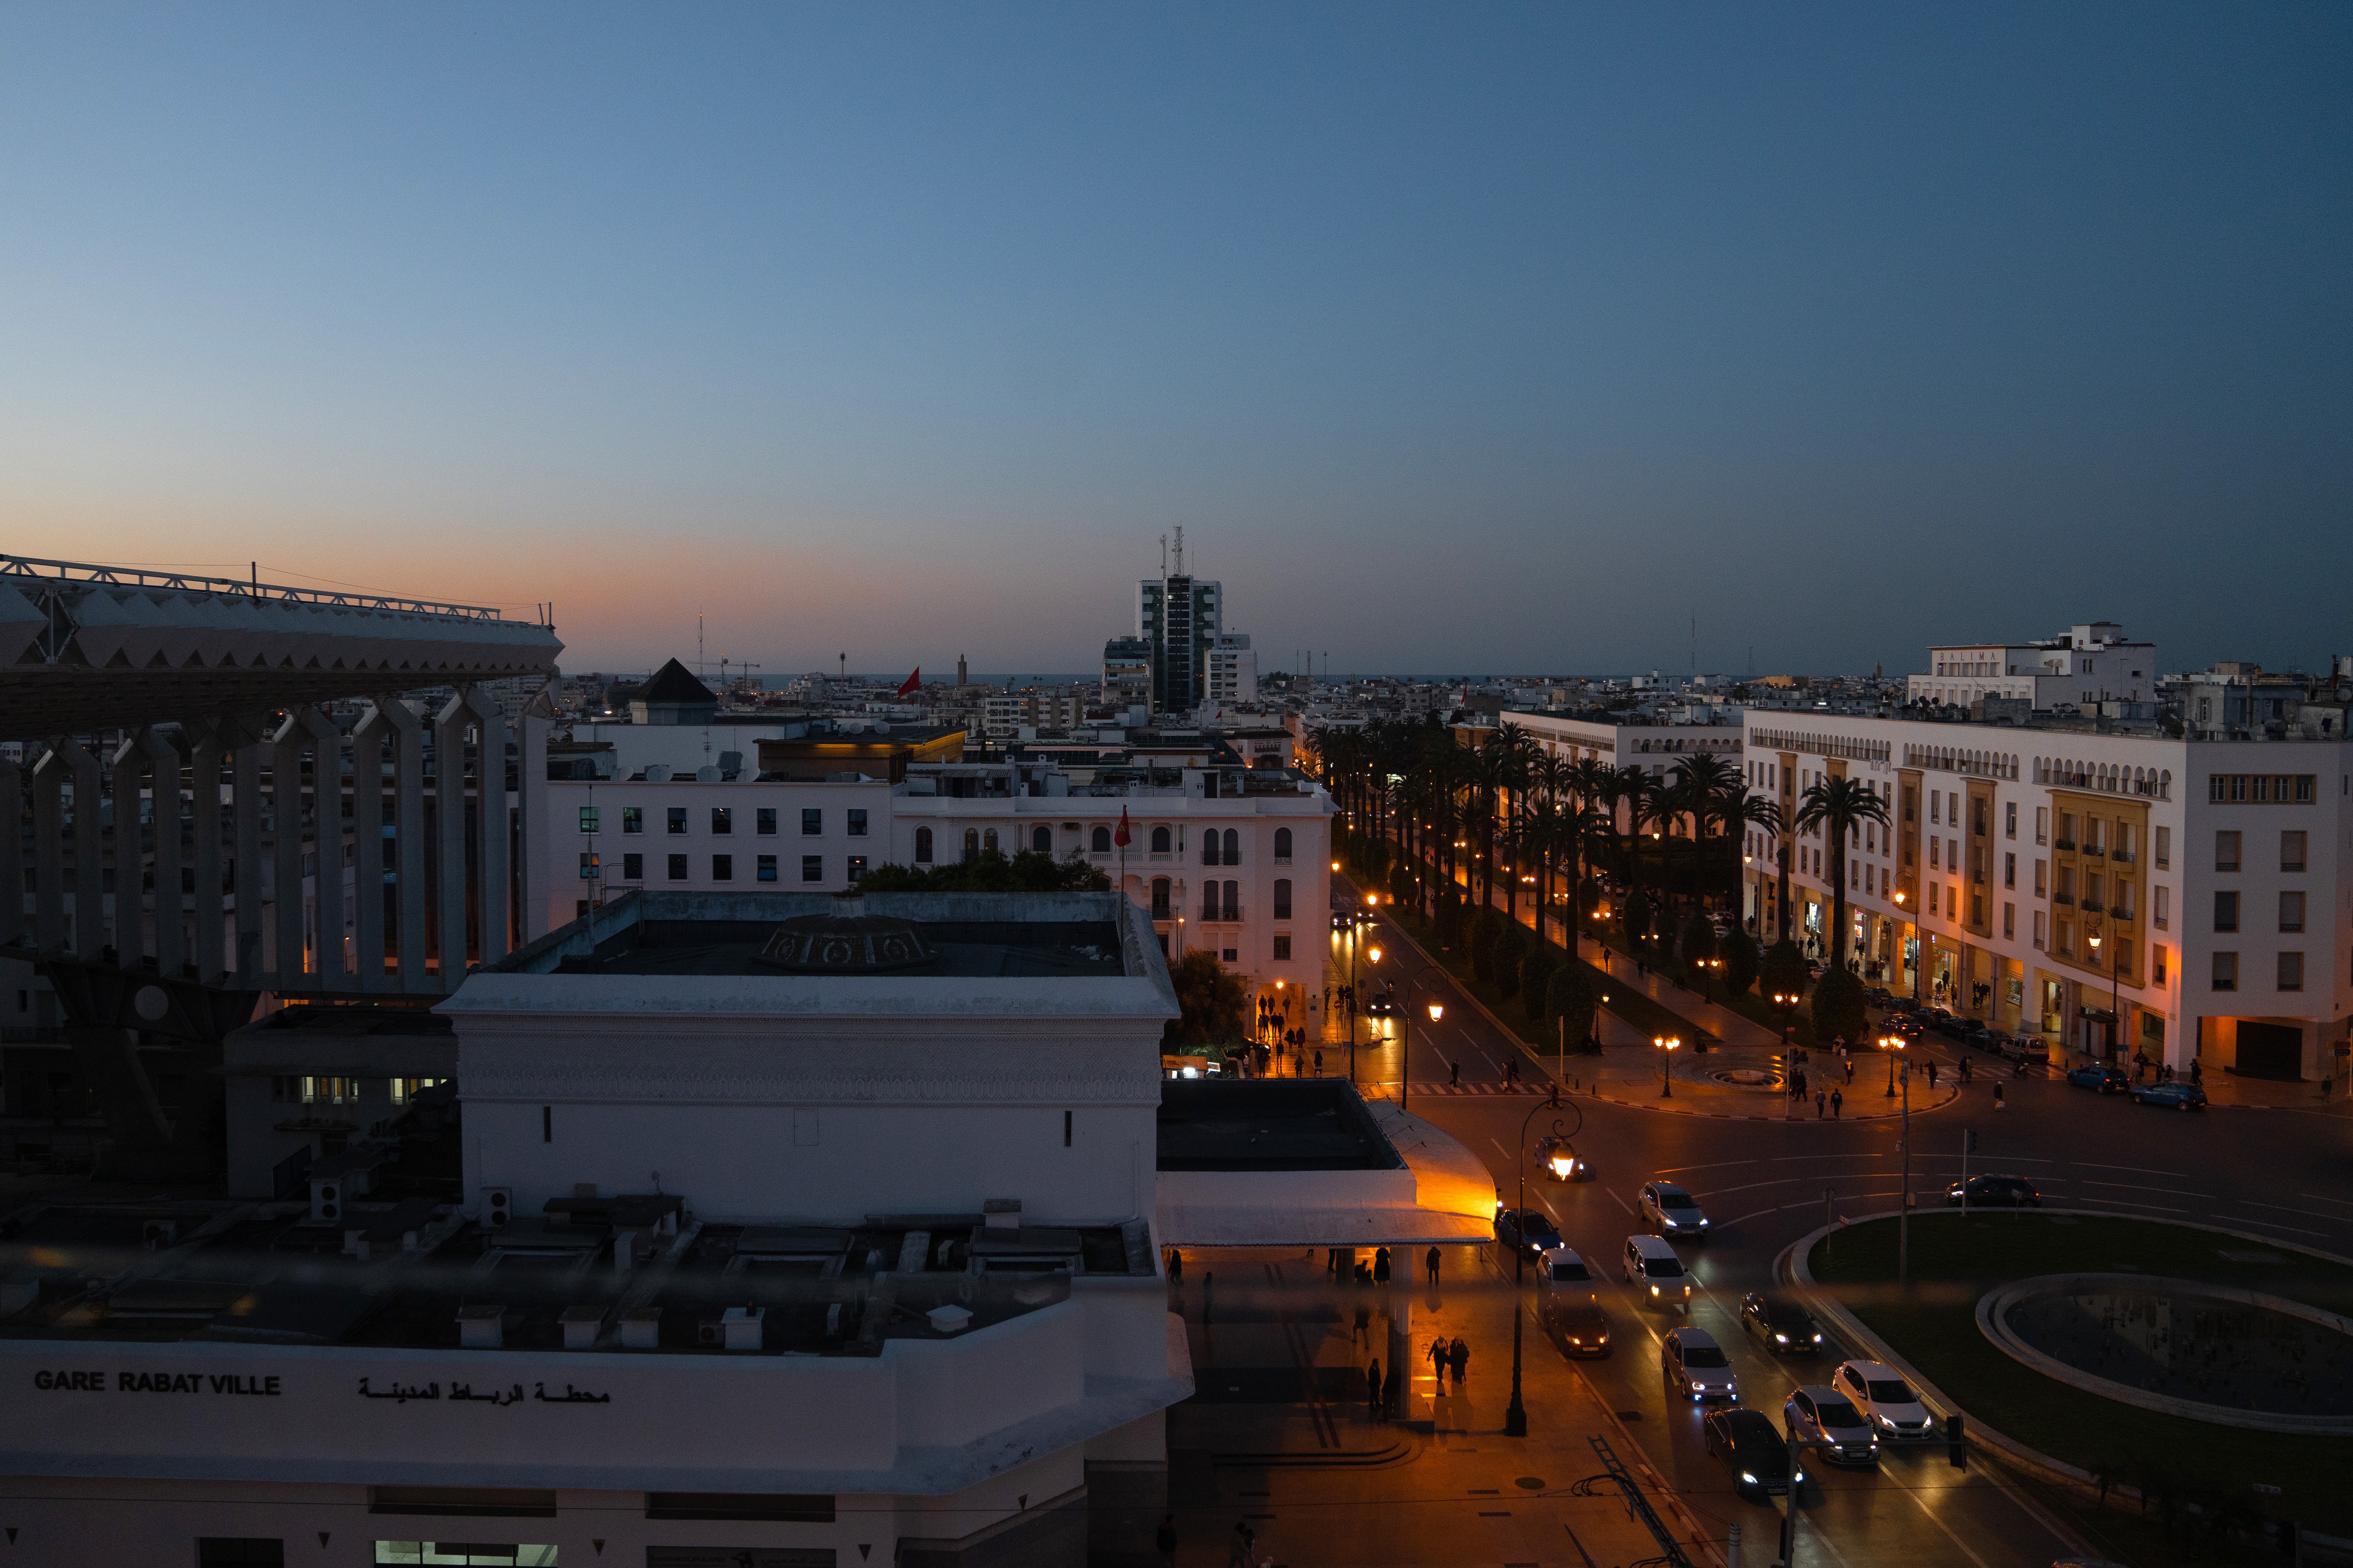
pixel 913 684
pixel 1121 837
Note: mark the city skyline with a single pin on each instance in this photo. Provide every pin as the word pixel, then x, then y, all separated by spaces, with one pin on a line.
pixel 1515 340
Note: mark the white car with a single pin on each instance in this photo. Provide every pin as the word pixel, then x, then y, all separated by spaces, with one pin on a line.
pixel 1696 1367
pixel 1657 1275
pixel 1894 1412
pixel 1671 1209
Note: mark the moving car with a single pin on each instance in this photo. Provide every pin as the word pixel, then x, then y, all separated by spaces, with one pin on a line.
pixel 1567 1306
pixel 2095 1076
pixel 1381 1006
pixel 1696 1367
pixel 1671 1209
pixel 2178 1095
pixel 1995 1193
pixel 1526 1230
pixel 1816 1414
pixel 2024 1048
pixel 1753 1449
pixel 1657 1275
pixel 1886 1401
pixel 1781 1323
pixel 1558 1157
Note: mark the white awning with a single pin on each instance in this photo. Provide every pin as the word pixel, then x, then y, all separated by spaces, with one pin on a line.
pixel 1198 1225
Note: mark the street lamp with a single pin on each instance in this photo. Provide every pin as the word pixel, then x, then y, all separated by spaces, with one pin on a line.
pixel 1891 1044
pixel 1515 1414
pixel 1666 1045
pixel 1404 1026
pixel 2115 1000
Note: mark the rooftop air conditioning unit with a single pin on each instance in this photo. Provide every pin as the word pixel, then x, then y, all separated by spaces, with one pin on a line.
pixel 326 1201
pixel 481 1328
pixel 582 1324
pixel 497 1208
pixel 158 1234
pixel 710 1333
pixel 741 1327
pixel 642 1329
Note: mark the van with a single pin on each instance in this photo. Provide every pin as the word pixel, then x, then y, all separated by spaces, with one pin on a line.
pixel 1656 1273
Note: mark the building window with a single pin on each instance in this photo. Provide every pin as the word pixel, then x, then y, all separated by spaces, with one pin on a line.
pixel 1283 846
pixel 2010 919
pixel 2008 870
pixel 1281 946
pixel 1209 848
pixel 723 868
pixel 1041 840
pixel 858 822
pixel 1283 898
pixel 2009 820
pixel 2291 972
pixel 678 820
pixel 633 868
pixel 1936 805
pixel 1160 898
pixel 1100 840
pixel 1160 841
pixel 2226 912
pixel 1231 954
pixel 2041 927
pixel 2164 848
pixel 633 819
pixel 858 868
pixel 589 816
pixel 2042 824
pixel 723 819
pixel 767 868
pixel 248 1552
pixel 988 840
pixel 590 865
pixel 2291 913
pixel 678 868
pixel 2156 964
pixel 922 846
pixel 763 821
pixel 2292 851
pixel 812 821
pixel 2226 971
pixel 2064 939
pixel 2226 851
pixel 971 843
pixel 812 868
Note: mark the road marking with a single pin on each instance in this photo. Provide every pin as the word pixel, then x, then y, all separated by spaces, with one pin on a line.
pixel 1776 1182
pixel 1864 1156
pixel 1967 1549
pixel 2325 1200
pixel 2127 1203
pixel 2282 1207
pixel 2139 1188
pixel 1719 1165
pixel 1621 1201
pixel 2139 1169
pixel 2274 1225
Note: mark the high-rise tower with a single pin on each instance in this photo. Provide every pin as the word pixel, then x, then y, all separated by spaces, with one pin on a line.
pixel 1179 616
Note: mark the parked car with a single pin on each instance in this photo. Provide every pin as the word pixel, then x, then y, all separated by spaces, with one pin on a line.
pixel 1696 1368
pixel 2026 1048
pixel 1996 1192
pixel 1753 1451
pixel 1526 1230
pixel 1567 1307
pixel 1558 1157
pixel 1817 1414
pixel 2178 1095
pixel 1880 996
pixel 1904 1005
pixel 1657 1275
pixel 1886 1401
pixel 2097 1076
pixel 1983 1040
pixel 1671 1209
pixel 1781 1323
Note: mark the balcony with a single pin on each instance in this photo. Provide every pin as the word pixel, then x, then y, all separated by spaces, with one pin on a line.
pixel 2063 898
pixel 2063 843
pixel 2123 857
pixel 1223 914
pixel 2094 849
pixel 2093 907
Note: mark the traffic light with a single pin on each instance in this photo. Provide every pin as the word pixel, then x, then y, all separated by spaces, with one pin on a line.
pixel 1957 1446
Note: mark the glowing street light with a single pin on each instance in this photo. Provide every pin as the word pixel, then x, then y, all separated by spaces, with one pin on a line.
pixel 1666 1045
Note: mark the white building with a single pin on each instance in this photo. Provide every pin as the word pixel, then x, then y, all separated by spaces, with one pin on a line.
pixel 754 1263
pixel 1233 670
pixel 2211 873
pixel 2091 664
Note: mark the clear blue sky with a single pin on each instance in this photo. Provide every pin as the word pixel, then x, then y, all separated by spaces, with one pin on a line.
pixel 1458 338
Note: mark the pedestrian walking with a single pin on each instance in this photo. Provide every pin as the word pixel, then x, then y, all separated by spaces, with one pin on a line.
pixel 2197 1072
pixel 1438 1361
pixel 1849 1070
pixel 1364 1326
pixel 1511 1074
pixel 1175 1267
pixel 1457 1359
pixel 1997 1097
pixel 1380 1266
pixel 1931 1072
pixel 1430 1263
pixel 1836 1099
pixel 1239 1557
pixel 1821 1103
pixel 1373 1387
pixel 1455 1075
pixel 1965 1069
pixel 1391 1393
pixel 1164 1540
pixel 1319 1061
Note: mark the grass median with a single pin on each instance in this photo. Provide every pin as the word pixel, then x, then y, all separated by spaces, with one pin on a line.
pixel 1933 1324
pixel 1634 1006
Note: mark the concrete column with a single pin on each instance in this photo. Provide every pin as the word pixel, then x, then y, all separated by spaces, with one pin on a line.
pixel 306 727
pixel 450 729
pixel 368 737
pixel 533 875
pixel 151 756
pixel 49 851
pixel 205 758
pixel 409 825
pixel 12 851
pixel 67 761
pixel 249 959
pixel 491 793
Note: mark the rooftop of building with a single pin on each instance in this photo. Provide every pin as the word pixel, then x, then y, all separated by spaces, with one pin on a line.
pixel 1269 1124
pixel 617 1273
pixel 674 683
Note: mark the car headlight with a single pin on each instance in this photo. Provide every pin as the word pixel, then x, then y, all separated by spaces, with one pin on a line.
pixel 1818 1339
pixel 1703 1224
pixel 1748 1477
pixel 1668 1223
pixel 1780 1339
pixel 1801 1476
pixel 1654 1290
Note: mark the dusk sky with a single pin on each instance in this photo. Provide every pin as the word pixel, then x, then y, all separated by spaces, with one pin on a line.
pixel 1459 339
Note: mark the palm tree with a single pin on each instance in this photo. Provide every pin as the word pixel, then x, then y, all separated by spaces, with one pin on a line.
pixel 1763 812
pixel 1840 806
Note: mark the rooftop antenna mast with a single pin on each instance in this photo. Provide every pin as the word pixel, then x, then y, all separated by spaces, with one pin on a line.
pixel 702 670
pixel 1180 550
pixel 1164 555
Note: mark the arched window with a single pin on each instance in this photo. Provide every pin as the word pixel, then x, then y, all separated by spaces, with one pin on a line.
pixel 1160 841
pixel 923 845
pixel 1041 839
pixel 1283 898
pixel 989 839
pixel 1282 846
pixel 1209 847
pixel 1233 848
pixel 1160 898
pixel 972 842
pixel 1234 901
pixel 1099 843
